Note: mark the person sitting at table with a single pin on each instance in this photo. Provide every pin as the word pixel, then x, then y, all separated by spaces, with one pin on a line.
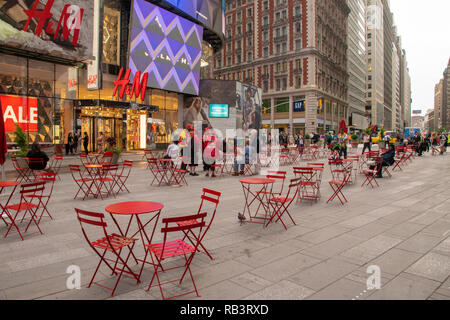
pixel 388 160
pixel 36 153
pixel 173 151
pixel 249 158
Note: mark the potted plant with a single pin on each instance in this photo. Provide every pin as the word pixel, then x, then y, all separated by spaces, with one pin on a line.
pixel 381 143
pixel 111 142
pixel 307 140
pixel 355 141
pixel 21 141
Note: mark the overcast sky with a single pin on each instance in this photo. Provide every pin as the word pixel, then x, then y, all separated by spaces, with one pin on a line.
pixel 425 30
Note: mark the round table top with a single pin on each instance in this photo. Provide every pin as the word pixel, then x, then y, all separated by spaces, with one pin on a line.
pixel 4 184
pixel 134 207
pixel 93 166
pixel 257 181
pixel 95 154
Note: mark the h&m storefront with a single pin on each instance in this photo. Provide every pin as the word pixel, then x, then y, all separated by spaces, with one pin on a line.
pixel 51 86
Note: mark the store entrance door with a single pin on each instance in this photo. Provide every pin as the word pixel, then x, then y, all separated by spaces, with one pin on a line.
pixel 111 127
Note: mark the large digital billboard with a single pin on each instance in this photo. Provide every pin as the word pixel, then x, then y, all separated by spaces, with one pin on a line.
pixel 166 46
pixel 61 28
pixel 207 12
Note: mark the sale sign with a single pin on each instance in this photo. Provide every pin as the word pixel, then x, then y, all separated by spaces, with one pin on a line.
pixel 20 110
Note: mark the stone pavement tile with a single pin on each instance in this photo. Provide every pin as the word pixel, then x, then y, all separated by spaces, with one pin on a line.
pixel 443 247
pixel 358 221
pixel 283 268
pixel 324 234
pixel 399 216
pixel 383 211
pixel 406 287
pixel 444 289
pixel 251 281
pixel 323 274
pixel 343 289
pixel 363 274
pixel 12 279
pixel 224 241
pixel 270 254
pixel 46 259
pixel 225 290
pixel 333 246
pixel 437 296
pixel 2 295
pixel 370 230
pixel 432 266
pixel 406 202
pixel 395 261
pixel 277 234
pixel 371 249
pixel 284 290
pixel 322 223
pixel 428 217
pixel 440 228
pixel 138 294
pixel 404 230
pixel 420 242
pixel 219 272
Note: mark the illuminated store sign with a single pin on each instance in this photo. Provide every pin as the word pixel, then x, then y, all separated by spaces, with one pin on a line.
pixel 17 110
pixel 139 86
pixel 167 47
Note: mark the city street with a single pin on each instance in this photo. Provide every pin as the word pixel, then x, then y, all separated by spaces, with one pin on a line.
pixel 402 227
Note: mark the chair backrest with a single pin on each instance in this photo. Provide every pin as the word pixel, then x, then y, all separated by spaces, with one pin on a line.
pixel 176 224
pixel 14 161
pixel 293 189
pixel 277 175
pixel 91 219
pixel 127 165
pixel 34 188
pixel 109 169
pixel 56 163
pixel 335 162
pixel 32 161
pixel 48 178
pixel 107 157
pixel 76 172
pixel 212 197
pixel 316 165
pixel 305 174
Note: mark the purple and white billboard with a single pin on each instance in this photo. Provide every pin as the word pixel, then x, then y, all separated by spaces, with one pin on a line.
pixel 166 46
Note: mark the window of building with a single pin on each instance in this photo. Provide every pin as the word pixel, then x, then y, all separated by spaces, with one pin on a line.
pixel 265 20
pixel 250 27
pixel 298 44
pixel 266 5
pixel 278 48
pixel 266 70
pixel 284 14
pixel 284 46
pixel 229 33
pixel 249 56
pixel 239 31
pixel 239 16
pixel 278 86
pixel 369 36
pixel 266 36
pixel 284 66
pixel 249 12
pixel 229 20
pixel 298 11
pixel 249 42
pixel 284 83
pixel 278 32
pixel 282 105
pixel 266 86
pixel 238 58
pixel 229 61
pixel 298 27
pixel 266 51
pixel 278 68
pixel 277 16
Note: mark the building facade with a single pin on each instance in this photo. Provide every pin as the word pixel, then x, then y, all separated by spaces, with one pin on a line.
pixel 446 98
pixel 357 63
pixel 438 99
pixel 107 70
pixel 296 51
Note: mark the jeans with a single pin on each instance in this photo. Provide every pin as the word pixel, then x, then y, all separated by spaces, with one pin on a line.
pixel 236 167
pixel 366 146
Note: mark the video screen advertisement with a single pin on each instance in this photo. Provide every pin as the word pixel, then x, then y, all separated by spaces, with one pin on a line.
pixel 61 28
pixel 166 46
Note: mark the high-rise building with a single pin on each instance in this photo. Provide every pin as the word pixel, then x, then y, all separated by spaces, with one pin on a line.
pixel 438 88
pixel 446 98
pixel 357 63
pixel 296 51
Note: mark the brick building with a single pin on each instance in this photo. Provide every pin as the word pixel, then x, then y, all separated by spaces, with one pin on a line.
pixel 296 51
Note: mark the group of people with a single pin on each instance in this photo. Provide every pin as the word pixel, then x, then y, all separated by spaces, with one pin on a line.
pixel 72 142
pixel 433 141
pixel 210 147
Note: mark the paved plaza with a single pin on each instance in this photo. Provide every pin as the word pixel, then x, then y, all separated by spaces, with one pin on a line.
pixel 403 227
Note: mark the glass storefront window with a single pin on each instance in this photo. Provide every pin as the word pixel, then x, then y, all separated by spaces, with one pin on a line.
pixel 111 32
pixel 41 76
pixel 13 75
pixel 136 129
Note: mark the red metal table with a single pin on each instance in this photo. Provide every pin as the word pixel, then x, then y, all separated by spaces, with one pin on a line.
pixel 94 157
pixel 257 196
pixel 3 185
pixel 169 167
pixel 95 173
pixel 135 209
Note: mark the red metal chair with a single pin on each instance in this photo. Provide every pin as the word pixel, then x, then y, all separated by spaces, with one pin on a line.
pixel 212 197
pixel 110 243
pixel 84 159
pixel 56 164
pixel 168 249
pixel 121 179
pixel 35 162
pixel 281 204
pixel 23 171
pixel 49 178
pixel 337 186
pixel 309 189
pixel 371 174
pixel 399 162
pixel 107 158
pixel 106 181
pixel 84 183
pixel 156 170
pixel 179 174
pixel 25 205
pixel 337 168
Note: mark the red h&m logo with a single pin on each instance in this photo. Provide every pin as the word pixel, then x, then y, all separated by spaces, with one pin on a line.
pixel 19 110
pixel 139 86
pixel 70 19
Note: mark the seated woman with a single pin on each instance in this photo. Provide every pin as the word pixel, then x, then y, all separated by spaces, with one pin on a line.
pixel 388 160
pixel 36 153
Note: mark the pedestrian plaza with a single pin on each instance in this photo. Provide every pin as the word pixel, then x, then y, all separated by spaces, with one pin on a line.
pixel 402 227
